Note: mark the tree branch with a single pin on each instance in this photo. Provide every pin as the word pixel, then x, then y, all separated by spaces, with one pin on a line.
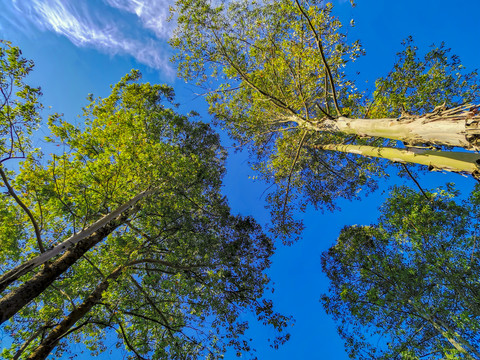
pixel 297 155
pixel 322 53
pixel 152 304
pixel 25 208
pixel 415 181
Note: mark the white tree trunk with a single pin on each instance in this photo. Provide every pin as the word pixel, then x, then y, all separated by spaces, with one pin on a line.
pixel 458 127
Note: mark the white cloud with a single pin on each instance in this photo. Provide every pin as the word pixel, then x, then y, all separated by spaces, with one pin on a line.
pixel 105 28
pixel 153 14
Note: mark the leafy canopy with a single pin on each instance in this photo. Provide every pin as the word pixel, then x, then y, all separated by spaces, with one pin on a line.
pixel 407 286
pixel 173 280
pixel 274 72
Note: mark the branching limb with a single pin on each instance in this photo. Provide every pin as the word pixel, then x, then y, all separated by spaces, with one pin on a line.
pixel 154 306
pixel 415 181
pixel 25 208
pixel 297 155
pixel 26 343
pixel 322 53
pixel 245 78
pixel 127 342
pixel 102 275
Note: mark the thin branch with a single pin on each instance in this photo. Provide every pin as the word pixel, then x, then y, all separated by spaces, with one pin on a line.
pixel 244 76
pixel 24 207
pixel 127 342
pixel 94 266
pixel 322 53
pixel 297 155
pixel 39 208
pixel 64 294
pixel 86 322
pixel 169 264
pixel 415 181
pixel 26 343
pixel 152 304
pixel 329 168
pixel 324 112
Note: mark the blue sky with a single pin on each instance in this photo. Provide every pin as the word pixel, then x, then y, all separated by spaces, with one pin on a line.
pixel 82 47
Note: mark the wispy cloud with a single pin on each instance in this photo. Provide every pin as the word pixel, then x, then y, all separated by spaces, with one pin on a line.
pixel 153 14
pixel 140 32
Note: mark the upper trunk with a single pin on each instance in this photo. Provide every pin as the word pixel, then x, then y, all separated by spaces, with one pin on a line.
pixel 11 276
pixel 458 127
pixel 454 161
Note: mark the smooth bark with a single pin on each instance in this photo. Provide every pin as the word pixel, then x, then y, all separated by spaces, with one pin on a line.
pixel 457 127
pixel 454 161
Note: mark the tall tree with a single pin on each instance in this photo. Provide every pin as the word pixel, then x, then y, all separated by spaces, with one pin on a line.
pixel 407 287
pixel 124 228
pixel 279 84
pixel 176 292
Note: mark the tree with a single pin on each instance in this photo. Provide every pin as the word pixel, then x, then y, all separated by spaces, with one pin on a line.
pixel 407 287
pixel 279 85
pixel 125 228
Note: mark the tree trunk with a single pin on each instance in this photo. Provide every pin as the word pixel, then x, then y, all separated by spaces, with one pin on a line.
pixel 454 161
pixel 447 333
pixel 14 274
pixel 51 341
pixel 458 127
pixel 15 300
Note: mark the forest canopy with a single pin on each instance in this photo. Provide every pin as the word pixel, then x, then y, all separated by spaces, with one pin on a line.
pixel 275 76
pixel 122 229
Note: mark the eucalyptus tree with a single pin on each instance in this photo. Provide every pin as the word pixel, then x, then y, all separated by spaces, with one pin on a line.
pixel 121 226
pixel 274 74
pixel 407 287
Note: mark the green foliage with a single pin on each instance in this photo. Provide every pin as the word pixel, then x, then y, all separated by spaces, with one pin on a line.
pixel 268 85
pixel 408 286
pixel 18 103
pixel 274 75
pixel 182 268
pixel 418 85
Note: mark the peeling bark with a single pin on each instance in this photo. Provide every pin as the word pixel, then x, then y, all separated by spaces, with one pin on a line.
pixel 458 127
